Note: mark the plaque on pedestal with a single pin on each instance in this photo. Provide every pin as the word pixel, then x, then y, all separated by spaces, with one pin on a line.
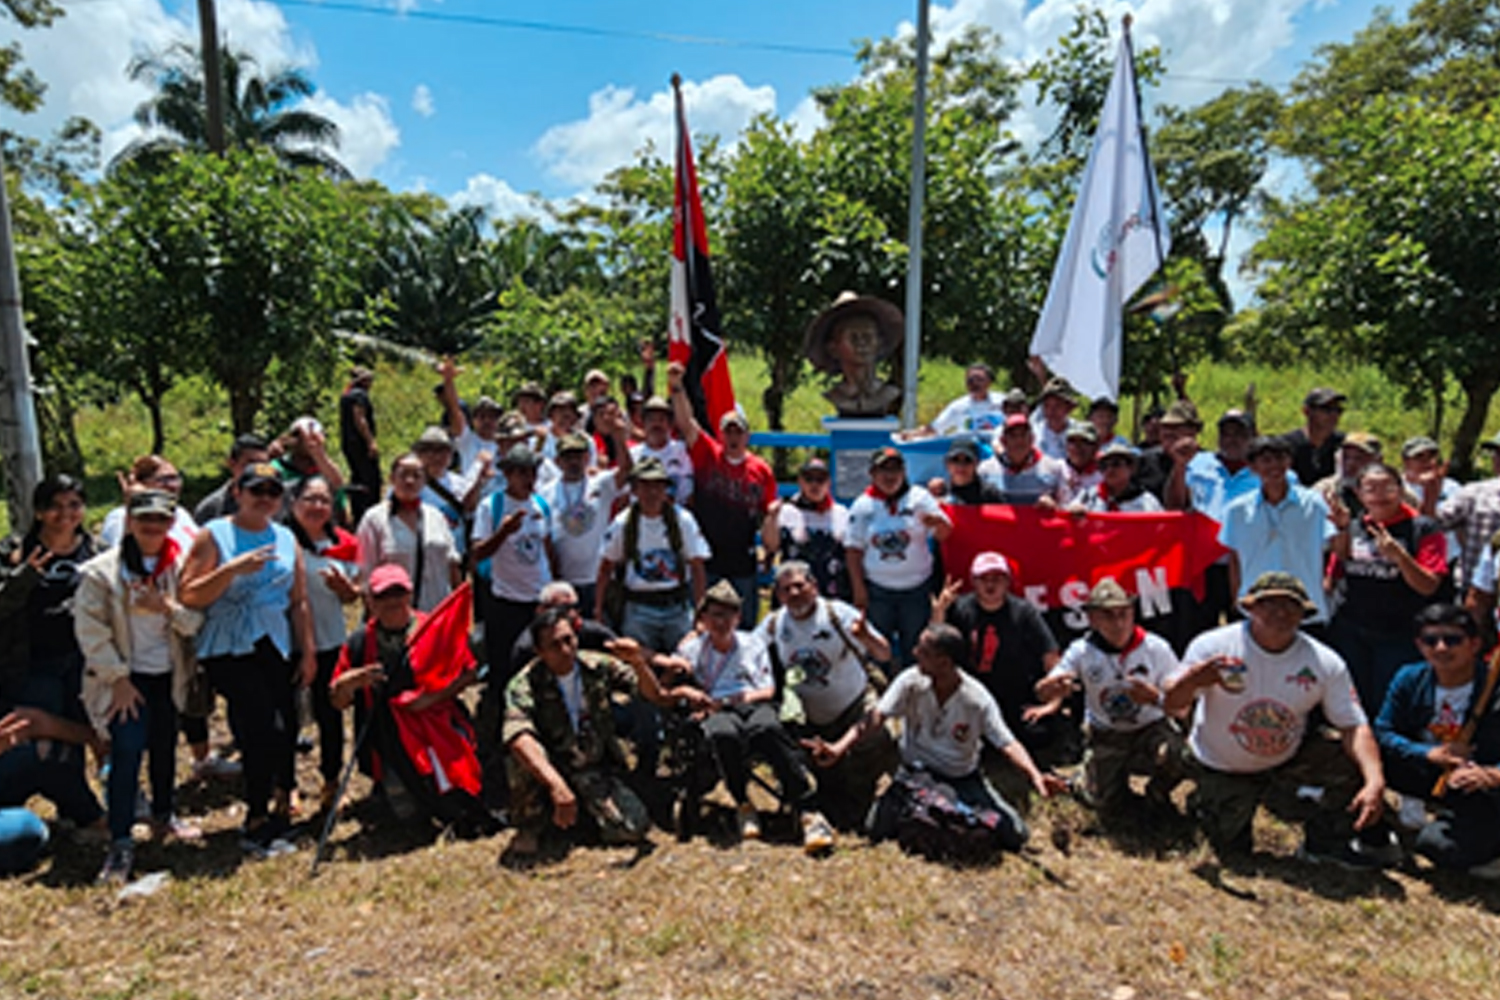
pixel 851 441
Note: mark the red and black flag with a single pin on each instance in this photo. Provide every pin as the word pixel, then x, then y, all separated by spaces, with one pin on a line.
pixel 695 337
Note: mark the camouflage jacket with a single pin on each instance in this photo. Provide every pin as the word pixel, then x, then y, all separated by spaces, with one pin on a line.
pixel 534 704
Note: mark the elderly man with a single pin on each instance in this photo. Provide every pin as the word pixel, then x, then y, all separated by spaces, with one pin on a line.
pixel 1022 473
pixel 733 489
pixel 581 504
pixel 1081 472
pixel 1440 740
pixel 946 716
pixel 733 692
pixel 1122 669
pixel 1008 647
pixel 1053 417
pixel 1254 685
pixel 977 411
pixel 828 653
pixel 561 736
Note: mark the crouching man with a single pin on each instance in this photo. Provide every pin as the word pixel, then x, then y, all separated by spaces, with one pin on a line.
pixel 1123 669
pixel 945 714
pixel 561 735
pixel 1439 740
pixel 1254 684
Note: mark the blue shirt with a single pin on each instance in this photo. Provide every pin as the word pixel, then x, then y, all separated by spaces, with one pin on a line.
pixel 1212 486
pixel 254 605
pixel 1286 537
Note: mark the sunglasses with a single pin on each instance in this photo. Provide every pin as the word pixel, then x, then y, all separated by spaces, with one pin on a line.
pixel 961 459
pixel 1112 463
pixel 265 491
pixel 815 477
pixel 1432 640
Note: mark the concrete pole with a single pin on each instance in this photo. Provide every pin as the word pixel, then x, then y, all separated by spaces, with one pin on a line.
pixel 20 442
pixel 912 356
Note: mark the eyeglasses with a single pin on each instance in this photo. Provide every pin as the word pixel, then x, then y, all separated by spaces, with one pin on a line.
pixel 170 479
pixel 1452 640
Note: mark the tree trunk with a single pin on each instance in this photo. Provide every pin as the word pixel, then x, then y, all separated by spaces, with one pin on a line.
pixel 1439 382
pixel 1479 390
pixel 244 403
pixel 60 450
pixel 773 399
pixel 158 434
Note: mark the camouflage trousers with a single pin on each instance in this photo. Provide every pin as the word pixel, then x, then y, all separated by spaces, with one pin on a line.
pixel 602 796
pixel 1111 756
pixel 1314 789
pixel 847 789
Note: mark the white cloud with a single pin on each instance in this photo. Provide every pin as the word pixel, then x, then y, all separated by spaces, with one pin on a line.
pixel 619 124
pixel 806 118
pixel 499 199
pixel 421 101
pixel 366 132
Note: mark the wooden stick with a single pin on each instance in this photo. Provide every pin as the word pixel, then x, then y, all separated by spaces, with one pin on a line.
pixel 1475 714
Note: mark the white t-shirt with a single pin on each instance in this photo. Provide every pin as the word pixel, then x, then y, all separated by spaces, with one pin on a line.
pixel 746 667
pixel 969 414
pixel 944 738
pixel 832 676
pixel 1450 706
pixel 1483 577
pixel 1106 680
pixel 660 567
pixel 571 686
pixel 469 447
pixel 518 568
pixel 580 516
pixel 676 460
pixel 150 636
pixel 896 553
pixel 1262 726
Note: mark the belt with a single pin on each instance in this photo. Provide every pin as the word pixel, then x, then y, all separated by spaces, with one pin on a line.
pixel 657 598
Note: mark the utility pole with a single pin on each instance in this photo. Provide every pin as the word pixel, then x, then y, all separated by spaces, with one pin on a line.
pixel 19 439
pixel 912 357
pixel 213 74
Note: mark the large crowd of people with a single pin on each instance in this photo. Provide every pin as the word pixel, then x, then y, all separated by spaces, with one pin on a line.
pixel 594 567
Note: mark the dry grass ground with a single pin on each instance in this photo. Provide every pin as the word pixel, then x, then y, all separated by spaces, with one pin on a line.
pixel 392 914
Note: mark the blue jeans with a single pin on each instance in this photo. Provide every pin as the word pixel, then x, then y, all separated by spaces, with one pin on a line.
pixel 23 835
pixel 657 627
pixel 56 776
pixel 153 731
pixel 748 589
pixel 900 616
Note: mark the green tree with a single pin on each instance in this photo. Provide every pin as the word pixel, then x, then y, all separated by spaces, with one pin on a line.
pixel 258 111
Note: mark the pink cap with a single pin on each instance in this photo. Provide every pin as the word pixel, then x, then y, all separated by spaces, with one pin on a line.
pixel 1016 420
pixel 389 577
pixel 989 562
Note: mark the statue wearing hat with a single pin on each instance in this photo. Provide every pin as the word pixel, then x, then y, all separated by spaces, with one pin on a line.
pixel 851 338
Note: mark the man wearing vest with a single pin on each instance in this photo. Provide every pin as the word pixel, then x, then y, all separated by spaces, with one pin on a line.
pixel 659 553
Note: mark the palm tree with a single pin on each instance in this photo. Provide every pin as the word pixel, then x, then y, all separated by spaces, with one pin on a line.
pixel 256 111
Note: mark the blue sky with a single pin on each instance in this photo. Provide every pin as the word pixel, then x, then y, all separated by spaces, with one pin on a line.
pixel 484 112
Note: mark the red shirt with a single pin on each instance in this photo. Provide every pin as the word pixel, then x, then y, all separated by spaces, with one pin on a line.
pixel 729 500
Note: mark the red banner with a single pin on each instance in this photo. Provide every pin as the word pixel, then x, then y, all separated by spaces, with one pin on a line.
pixel 1056 559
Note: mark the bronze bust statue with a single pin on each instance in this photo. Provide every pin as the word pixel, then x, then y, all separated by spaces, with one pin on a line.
pixel 850 338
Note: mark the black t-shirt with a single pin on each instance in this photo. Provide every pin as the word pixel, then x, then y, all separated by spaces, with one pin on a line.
pixel 1006 650
pixel 350 441
pixel 974 493
pixel 1153 471
pixel 1312 464
pixel 49 607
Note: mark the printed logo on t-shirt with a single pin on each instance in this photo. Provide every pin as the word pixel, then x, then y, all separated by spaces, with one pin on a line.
pixel 1447 722
pixel 529 549
pixel 1265 728
pixel 988 647
pixel 960 732
pixel 813 664
pixel 1118 705
pixel 578 520
pixel 891 544
pixel 1304 678
pixel 658 566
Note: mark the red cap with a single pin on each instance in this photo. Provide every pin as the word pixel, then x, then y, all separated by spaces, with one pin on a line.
pixel 389 577
pixel 1016 420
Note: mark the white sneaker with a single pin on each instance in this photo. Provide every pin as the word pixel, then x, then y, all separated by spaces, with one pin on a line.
pixel 214 766
pixel 817 833
pixel 749 822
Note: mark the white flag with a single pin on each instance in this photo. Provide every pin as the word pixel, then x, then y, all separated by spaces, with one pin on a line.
pixel 1116 240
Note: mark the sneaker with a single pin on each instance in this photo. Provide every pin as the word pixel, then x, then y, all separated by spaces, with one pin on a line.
pixel 1352 855
pixel 749 822
pixel 265 841
pixel 117 863
pixel 173 828
pixel 215 766
pixel 1489 871
pixel 817 834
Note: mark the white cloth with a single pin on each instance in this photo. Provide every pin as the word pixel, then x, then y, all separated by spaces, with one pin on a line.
pixel 1091 501
pixel 676 460
pixel 571 686
pixel 1262 726
pixel 944 737
pixel 660 568
pixel 896 553
pixel 746 667
pixel 330 627
pixel 983 416
pixel 833 677
pixel 386 539
pixel 150 636
pixel 1106 680
pixel 580 517
pixel 519 568
pixel 1483 578
pixel 183 531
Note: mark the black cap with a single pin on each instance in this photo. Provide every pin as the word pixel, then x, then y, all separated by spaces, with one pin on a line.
pixel 964 447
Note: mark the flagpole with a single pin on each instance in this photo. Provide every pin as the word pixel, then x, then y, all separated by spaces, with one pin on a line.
pixel 679 179
pixel 1140 118
pixel 914 227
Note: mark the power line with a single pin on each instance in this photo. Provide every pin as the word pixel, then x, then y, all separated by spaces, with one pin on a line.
pixel 550 27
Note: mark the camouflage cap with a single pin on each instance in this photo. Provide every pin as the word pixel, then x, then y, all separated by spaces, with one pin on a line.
pixel 723 593
pixel 1182 413
pixel 1107 594
pixel 1279 584
pixel 650 470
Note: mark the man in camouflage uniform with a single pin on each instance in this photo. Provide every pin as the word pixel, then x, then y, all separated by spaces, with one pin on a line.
pixel 561 736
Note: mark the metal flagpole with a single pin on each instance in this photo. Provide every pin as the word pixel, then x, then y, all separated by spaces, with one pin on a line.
pixel 1140 118
pixel 914 227
pixel 19 438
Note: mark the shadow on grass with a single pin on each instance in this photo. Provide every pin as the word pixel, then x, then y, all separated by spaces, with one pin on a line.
pixel 1462 888
pixel 1329 882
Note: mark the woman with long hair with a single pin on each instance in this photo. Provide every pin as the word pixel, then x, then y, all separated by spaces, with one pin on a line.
pixel 405 532
pixel 330 559
pixel 246 573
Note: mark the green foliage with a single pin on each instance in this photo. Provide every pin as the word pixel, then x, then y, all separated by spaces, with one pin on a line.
pixel 555 339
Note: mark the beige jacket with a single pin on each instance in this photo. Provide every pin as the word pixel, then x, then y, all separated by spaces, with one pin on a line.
pixel 101 620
